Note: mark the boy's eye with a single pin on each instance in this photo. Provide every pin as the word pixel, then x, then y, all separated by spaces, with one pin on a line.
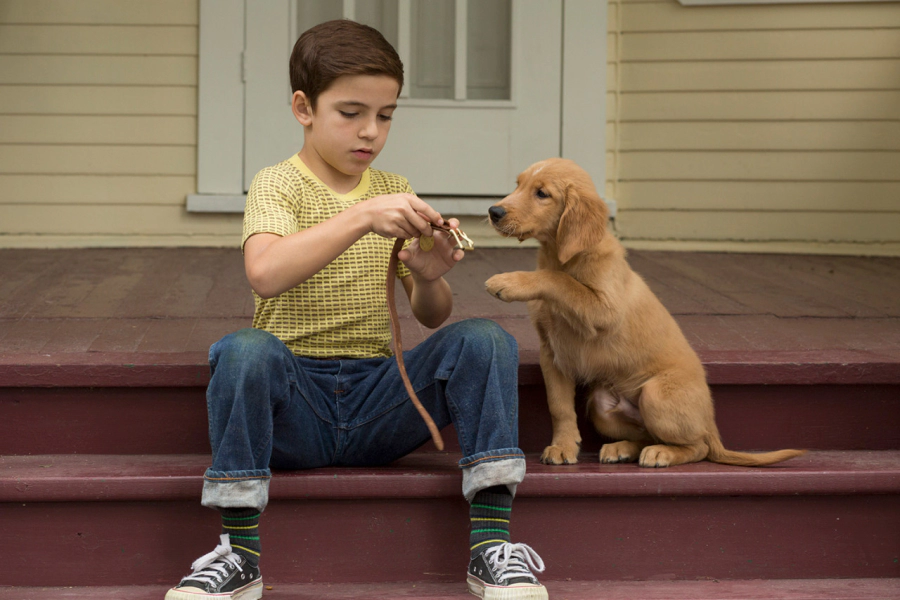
pixel 348 115
pixel 386 117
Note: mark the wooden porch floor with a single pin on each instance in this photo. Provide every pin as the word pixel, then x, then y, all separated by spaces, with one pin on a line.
pixel 161 305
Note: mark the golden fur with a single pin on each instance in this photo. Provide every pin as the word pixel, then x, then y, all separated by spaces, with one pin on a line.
pixel 601 326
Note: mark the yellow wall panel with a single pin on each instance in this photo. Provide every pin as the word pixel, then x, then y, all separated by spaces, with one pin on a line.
pixel 98 100
pixel 760 166
pixel 97 39
pixel 23 219
pixel 880 196
pixel 671 16
pixel 97 189
pixel 98 160
pixel 758 126
pixel 110 12
pixel 790 75
pixel 821 227
pixel 762 45
pixel 98 70
pixel 130 130
pixel 752 105
pixel 763 136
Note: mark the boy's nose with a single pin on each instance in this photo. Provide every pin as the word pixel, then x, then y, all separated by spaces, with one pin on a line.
pixel 369 131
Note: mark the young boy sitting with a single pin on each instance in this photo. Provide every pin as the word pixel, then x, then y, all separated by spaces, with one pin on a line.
pixel 314 383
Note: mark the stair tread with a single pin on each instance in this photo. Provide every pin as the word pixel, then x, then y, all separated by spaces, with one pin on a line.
pixel 72 477
pixel 190 368
pixel 783 589
pixel 777 319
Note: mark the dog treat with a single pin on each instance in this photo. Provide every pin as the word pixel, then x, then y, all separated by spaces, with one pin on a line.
pixel 463 242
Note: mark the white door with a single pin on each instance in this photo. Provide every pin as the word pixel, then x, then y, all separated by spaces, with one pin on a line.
pixel 481 99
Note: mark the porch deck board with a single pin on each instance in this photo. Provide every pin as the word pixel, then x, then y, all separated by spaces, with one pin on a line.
pixel 161 300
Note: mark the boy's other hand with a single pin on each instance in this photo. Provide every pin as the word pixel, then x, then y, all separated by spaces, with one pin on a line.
pixel 433 264
pixel 400 216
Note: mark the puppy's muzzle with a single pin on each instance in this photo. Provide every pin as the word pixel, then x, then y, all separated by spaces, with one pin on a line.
pixel 497 213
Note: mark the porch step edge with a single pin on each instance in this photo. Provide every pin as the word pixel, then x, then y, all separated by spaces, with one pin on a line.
pixel 191 369
pixel 72 478
pixel 782 589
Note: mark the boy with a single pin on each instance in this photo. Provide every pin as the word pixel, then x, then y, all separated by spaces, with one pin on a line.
pixel 313 382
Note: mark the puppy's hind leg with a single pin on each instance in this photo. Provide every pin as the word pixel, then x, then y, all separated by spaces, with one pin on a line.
pixel 677 415
pixel 617 418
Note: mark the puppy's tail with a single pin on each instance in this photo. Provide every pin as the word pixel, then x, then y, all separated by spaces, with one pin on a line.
pixel 718 454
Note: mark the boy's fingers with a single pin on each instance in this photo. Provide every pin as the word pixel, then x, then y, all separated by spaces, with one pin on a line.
pixel 427 213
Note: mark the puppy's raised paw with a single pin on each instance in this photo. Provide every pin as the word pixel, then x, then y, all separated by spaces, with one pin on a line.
pixel 510 287
pixel 557 455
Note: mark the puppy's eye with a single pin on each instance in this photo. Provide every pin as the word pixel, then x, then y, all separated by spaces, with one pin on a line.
pixel 542 194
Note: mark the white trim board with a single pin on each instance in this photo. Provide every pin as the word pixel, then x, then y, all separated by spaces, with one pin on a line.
pixel 220 98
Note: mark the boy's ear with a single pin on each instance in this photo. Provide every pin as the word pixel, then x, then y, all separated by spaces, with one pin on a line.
pixel 301 108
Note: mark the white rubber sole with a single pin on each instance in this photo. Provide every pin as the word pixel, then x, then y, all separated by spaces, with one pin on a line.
pixel 251 591
pixel 496 592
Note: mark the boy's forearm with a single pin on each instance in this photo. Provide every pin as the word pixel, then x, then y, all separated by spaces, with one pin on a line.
pixel 285 262
pixel 431 301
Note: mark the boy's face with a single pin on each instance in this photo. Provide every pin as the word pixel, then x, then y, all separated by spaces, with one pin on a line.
pixel 348 127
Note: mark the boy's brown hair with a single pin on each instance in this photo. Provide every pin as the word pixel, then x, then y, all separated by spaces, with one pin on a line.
pixel 336 48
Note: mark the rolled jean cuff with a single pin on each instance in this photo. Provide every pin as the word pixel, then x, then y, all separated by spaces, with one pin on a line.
pixel 494 467
pixel 238 489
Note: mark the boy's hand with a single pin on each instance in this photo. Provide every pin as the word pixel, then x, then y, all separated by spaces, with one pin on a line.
pixel 433 264
pixel 400 216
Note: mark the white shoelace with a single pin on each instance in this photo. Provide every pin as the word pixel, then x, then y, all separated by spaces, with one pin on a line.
pixel 514 560
pixel 211 568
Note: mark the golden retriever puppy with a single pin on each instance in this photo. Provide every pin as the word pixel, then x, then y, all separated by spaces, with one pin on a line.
pixel 600 326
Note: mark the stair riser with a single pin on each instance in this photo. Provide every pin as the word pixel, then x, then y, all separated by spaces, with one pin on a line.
pixel 173 420
pixel 426 540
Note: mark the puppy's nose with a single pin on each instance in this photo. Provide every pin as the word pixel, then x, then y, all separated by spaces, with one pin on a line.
pixel 497 213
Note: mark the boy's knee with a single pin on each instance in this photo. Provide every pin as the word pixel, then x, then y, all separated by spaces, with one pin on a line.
pixel 247 346
pixel 489 334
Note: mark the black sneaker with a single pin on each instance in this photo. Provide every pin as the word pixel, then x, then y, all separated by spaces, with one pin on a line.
pixel 503 572
pixel 222 575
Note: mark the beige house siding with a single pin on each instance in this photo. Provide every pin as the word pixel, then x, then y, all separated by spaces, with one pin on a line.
pixel 98 125
pixel 755 127
pixel 752 127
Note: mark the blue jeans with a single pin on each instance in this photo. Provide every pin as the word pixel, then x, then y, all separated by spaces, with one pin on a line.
pixel 271 409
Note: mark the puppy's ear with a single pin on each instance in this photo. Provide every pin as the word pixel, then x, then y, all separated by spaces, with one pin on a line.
pixel 582 224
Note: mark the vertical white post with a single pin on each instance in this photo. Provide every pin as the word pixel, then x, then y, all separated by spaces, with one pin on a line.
pixel 462 22
pixel 584 87
pixel 350 9
pixel 404 41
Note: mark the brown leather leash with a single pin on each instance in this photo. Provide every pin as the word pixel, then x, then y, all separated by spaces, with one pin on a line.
pixel 464 243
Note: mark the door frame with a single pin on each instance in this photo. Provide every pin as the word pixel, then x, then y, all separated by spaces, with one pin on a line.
pixel 220 101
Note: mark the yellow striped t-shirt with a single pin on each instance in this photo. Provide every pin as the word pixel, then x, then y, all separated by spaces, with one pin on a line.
pixel 342 310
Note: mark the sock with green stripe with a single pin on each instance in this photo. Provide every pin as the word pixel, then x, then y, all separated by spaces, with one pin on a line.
pixel 242 526
pixel 489 516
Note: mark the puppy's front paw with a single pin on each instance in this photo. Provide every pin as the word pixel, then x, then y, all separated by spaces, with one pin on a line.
pixel 510 287
pixel 619 452
pixel 557 455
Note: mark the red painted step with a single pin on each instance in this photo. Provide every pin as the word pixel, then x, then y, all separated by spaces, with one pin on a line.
pixel 73 478
pixel 138 520
pixel 159 420
pixel 787 589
